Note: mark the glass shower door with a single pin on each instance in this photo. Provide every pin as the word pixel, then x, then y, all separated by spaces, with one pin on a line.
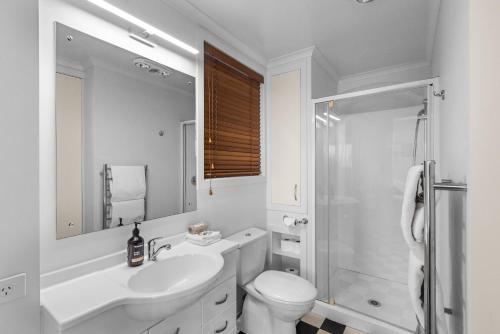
pixel 364 147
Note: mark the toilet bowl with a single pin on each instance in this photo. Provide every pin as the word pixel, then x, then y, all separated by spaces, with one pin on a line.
pixel 274 300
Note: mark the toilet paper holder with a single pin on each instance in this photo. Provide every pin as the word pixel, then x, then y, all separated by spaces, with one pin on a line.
pixel 302 221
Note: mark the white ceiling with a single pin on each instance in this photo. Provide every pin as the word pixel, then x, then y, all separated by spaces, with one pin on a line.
pixel 354 38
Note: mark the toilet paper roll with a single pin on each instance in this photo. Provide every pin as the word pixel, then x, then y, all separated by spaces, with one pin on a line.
pixel 292 271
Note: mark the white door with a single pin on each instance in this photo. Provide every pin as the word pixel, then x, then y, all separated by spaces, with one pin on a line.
pixel 69 155
pixel 189 162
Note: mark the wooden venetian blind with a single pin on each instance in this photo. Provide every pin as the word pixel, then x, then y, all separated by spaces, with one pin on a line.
pixel 232 116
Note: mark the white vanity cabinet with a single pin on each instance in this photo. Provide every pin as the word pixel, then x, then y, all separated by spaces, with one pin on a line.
pixel 214 312
pixel 186 321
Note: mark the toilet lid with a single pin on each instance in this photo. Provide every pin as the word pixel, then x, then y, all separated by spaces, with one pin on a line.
pixel 285 287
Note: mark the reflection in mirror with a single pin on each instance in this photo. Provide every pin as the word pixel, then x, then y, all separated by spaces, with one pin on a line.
pixel 125 129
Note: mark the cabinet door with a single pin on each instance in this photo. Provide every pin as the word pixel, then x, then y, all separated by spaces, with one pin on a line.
pixel 287 108
pixel 217 300
pixel 224 323
pixel 187 321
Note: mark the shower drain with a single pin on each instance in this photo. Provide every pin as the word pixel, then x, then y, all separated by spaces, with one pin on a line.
pixel 374 303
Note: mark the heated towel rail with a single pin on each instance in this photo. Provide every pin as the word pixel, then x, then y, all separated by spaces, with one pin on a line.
pixel 430 187
pixel 107 207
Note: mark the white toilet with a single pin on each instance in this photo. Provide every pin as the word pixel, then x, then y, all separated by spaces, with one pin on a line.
pixel 275 300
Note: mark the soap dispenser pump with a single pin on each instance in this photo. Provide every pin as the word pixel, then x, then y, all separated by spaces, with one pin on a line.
pixel 135 248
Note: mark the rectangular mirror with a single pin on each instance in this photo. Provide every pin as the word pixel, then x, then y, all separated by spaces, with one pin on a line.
pixel 125 133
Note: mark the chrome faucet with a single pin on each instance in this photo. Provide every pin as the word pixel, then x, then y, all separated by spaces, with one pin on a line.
pixel 152 252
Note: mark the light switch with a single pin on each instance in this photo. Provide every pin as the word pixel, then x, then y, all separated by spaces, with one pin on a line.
pixel 12 288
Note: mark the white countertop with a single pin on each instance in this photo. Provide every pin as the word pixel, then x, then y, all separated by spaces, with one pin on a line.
pixel 79 299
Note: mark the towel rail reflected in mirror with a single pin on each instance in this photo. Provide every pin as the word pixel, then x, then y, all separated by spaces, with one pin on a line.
pixel 118 109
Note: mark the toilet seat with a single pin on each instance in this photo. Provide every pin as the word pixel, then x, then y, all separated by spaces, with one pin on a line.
pixel 286 288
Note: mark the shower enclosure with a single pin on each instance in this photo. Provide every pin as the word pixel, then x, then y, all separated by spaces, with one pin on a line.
pixel 364 144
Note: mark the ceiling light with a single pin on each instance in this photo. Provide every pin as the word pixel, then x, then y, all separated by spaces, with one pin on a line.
pixel 364 1
pixel 146 26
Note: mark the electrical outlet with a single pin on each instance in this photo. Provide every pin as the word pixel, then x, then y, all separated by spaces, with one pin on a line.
pixel 12 288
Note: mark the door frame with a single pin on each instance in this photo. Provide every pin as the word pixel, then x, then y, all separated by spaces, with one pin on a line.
pixel 183 161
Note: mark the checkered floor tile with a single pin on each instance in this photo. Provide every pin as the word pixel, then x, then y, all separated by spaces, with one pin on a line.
pixel 316 324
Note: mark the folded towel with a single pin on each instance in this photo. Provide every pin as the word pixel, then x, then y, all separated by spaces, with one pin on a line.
pixel 412 215
pixel 129 183
pixel 205 238
pixel 129 211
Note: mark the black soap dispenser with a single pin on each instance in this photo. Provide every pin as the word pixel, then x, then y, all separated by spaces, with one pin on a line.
pixel 135 248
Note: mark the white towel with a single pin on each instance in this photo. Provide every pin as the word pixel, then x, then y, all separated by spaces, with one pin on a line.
pixel 130 212
pixel 415 281
pixel 412 215
pixel 129 183
pixel 204 239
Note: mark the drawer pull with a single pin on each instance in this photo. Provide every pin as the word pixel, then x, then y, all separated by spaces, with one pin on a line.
pixel 222 301
pixel 217 331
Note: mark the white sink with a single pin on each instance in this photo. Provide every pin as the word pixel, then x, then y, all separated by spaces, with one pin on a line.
pixel 173 282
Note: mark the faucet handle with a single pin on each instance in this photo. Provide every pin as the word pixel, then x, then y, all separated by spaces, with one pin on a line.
pixel 152 242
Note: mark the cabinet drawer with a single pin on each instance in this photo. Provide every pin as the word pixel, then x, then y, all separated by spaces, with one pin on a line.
pixel 187 321
pixel 219 299
pixel 224 323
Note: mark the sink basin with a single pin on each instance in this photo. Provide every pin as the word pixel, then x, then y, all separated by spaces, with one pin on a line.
pixel 164 287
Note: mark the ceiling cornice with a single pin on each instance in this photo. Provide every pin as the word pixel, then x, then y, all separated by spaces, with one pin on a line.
pixel 196 15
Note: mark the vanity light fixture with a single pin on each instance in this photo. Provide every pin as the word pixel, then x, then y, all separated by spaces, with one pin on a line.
pixel 142 40
pixel 146 26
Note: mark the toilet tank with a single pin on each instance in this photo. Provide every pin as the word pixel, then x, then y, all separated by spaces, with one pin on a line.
pixel 252 259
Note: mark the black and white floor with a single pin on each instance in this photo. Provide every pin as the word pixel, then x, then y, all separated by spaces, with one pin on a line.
pixel 315 324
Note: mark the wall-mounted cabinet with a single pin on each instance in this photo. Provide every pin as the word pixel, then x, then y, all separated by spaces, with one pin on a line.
pixel 292 81
pixel 287 97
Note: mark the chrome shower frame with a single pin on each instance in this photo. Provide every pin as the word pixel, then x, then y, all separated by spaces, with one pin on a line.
pixel 430 116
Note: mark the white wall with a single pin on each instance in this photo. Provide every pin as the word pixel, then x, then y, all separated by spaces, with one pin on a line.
pixel 323 82
pixel 19 155
pixel 450 62
pixel 126 115
pixel 366 195
pixel 236 204
pixel 484 227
